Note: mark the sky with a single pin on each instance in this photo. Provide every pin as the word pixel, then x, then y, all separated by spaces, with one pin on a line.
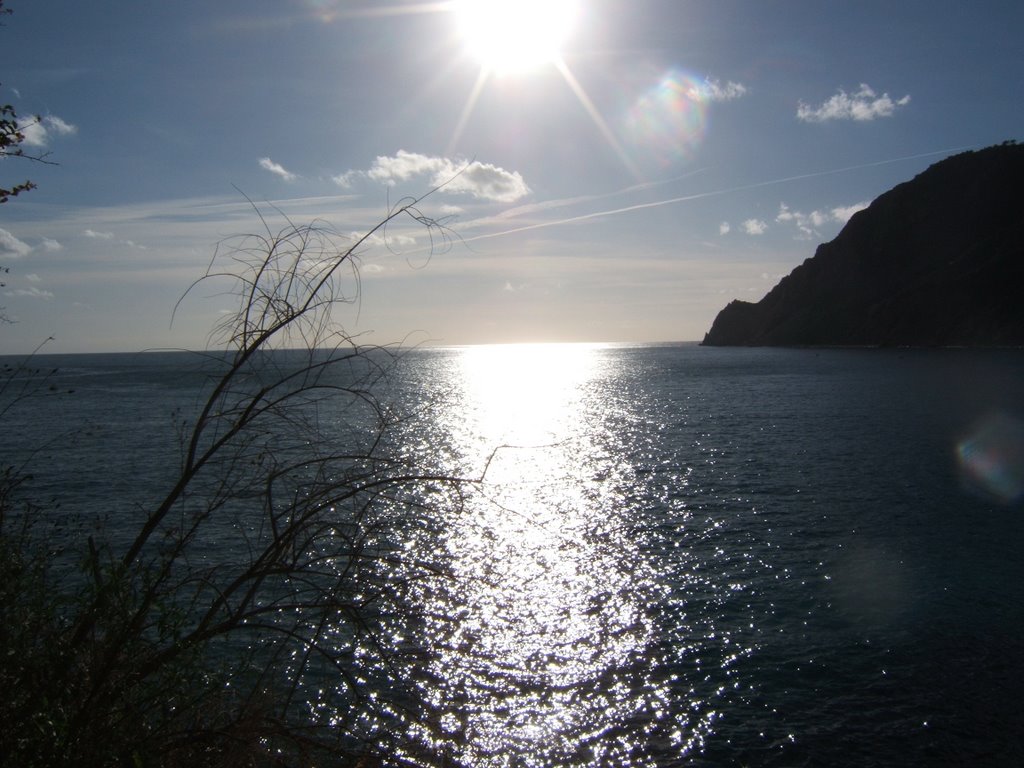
pixel 618 173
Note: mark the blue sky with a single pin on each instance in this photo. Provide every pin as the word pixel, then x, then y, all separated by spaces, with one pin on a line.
pixel 678 154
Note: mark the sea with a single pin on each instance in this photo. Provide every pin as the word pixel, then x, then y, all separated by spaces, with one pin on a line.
pixel 672 555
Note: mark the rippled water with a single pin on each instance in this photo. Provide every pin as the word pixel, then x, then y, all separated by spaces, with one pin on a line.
pixel 678 555
pixel 552 654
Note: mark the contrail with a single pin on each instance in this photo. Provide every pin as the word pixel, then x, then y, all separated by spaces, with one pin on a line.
pixel 712 193
pixel 547 205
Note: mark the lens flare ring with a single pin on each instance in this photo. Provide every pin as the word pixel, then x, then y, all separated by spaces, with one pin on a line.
pixel 992 458
pixel 669 121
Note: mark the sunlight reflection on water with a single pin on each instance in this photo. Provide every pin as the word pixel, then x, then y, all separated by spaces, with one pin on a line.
pixel 550 596
pixel 540 646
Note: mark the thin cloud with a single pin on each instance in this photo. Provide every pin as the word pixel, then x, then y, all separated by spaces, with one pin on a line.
pixel 278 170
pixel 862 106
pixel 11 247
pixel 31 292
pixel 39 133
pixel 713 90
pixel 92 233
pixel 51 245
pixel 344 180
pixel 390 239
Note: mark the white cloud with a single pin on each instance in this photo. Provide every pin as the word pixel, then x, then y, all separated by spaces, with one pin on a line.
pixel 11 247
pixel 713 90
pixel 809 223
pixel 51 245
pixel 34 132
pixel 724 228
pixel 98 235
pixel 754 227
pixel 403 165
pixel 863 105
pixel 488 182
pixel 843 213
pixel 278 170
pixel 481 180
pixel 806 223
pixel 38 133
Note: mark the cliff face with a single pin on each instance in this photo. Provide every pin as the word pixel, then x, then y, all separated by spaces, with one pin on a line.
pixel 936 261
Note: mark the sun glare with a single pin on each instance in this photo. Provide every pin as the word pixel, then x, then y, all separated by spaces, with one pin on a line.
pixel 515 36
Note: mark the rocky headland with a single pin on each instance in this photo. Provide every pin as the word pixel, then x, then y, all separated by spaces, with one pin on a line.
pixel 935 261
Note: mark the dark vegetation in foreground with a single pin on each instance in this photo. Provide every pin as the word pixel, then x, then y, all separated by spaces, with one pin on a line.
pixel 168 652
pixel 936 261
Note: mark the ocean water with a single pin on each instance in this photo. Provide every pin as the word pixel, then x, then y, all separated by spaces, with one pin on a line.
pixel 674 555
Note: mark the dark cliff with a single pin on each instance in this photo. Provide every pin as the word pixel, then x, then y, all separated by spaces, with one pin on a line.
pixel 936 261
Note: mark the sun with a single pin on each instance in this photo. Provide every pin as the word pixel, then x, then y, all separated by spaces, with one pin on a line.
pixel 515 36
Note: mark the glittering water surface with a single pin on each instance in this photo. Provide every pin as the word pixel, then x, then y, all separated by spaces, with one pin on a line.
pixel 674 555
pixel 549 657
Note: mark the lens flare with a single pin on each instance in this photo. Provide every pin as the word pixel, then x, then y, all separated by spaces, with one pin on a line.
pixel 669 120
pixel 992 458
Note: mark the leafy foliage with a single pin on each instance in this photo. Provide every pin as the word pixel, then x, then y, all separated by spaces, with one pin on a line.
pixel 12 135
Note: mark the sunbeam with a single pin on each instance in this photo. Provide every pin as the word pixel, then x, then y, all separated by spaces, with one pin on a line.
pixel 599 121
pixel 467 110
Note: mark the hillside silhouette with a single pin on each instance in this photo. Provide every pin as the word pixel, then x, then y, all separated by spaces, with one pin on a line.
pixel 935 261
